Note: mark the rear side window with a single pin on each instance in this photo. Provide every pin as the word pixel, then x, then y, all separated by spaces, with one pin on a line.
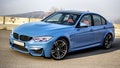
pixel 103 21
pixel 97 20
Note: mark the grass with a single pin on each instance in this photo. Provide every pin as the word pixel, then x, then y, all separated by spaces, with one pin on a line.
pixel 117 26
pixel 117 30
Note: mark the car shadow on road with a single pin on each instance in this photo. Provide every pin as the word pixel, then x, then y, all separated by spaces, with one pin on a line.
pixel 94 51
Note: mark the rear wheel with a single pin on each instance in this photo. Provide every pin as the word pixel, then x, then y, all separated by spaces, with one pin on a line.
pixel 60 49
pixel 108 41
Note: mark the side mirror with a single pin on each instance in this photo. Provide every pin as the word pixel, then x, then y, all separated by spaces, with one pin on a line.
pixel 83 24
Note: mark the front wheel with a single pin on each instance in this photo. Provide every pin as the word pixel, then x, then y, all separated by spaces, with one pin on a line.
pixel 108 41
pixel 60 49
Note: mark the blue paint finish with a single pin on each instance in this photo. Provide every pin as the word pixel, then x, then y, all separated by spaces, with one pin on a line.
pixel 79 38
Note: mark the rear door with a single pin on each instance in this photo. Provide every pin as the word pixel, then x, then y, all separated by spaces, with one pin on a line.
pixel 99 28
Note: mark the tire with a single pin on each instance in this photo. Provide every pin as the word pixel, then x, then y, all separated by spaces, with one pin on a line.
pixel 107 41
pixel 60 49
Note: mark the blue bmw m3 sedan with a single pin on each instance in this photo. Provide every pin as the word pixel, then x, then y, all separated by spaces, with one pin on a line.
pixel 62 32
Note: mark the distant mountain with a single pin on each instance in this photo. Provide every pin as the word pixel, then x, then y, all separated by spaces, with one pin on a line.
pixel 35 14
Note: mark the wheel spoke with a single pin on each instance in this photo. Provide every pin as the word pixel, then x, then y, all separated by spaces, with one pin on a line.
pixel 109 37
pixel 63 43
pixel 55 44
pixel 106 42
pixel 63 51
pixel 53 51
pixel 58 54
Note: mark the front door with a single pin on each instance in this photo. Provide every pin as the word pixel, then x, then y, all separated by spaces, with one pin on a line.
pixel 83 36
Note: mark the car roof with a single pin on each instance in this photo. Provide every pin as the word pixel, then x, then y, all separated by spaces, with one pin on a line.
pixel 76 12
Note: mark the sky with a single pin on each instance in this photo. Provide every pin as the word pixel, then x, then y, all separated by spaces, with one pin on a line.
pixel 108 8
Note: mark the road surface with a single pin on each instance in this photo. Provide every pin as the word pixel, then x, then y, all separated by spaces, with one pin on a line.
pixel 89 58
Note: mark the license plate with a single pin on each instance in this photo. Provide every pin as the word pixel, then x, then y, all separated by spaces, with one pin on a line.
pixel 18 43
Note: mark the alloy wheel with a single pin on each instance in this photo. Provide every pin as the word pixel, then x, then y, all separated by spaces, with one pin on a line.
pixel 108 41
pixel 59 49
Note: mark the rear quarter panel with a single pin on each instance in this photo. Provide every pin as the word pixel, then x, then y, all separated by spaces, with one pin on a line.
pixel 110 29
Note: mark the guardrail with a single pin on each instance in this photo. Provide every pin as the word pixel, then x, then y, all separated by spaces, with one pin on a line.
pixel 8 23
pixel 16 20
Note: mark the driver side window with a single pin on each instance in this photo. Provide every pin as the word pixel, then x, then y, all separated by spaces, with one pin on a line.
pixel 86 19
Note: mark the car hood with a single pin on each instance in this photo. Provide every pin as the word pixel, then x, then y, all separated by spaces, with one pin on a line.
pixel 39 28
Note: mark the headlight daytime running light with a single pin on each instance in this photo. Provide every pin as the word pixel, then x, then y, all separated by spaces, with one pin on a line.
pixel 42 38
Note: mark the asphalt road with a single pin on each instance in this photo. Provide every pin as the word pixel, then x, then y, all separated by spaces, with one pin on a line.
pixel 89 58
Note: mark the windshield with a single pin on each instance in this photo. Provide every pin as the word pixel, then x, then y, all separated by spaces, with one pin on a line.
pixel 62 18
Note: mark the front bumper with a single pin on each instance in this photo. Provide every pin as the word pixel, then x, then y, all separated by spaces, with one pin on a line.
pixel 32 47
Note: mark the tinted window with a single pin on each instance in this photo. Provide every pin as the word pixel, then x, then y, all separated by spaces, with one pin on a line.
pixel 97 20
pixel 62 18
pixel 55 18
pixel 86 19
pixel 70 18
pixel 103 21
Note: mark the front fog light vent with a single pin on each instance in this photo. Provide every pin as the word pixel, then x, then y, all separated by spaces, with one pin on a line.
pixel 38 51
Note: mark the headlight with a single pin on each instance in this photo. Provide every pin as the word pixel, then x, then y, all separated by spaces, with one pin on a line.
pixel 42 39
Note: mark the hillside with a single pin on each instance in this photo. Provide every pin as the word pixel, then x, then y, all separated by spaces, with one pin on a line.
pixel 35 14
